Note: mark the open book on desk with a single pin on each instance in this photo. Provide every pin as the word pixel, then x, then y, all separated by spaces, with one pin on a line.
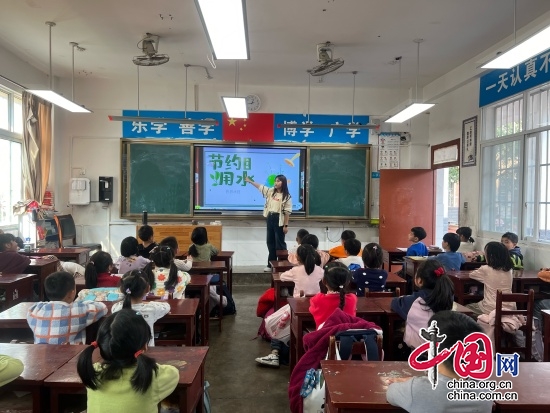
pixel 402 249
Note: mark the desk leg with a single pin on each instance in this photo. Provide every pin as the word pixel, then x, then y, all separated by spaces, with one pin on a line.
pixel 54 399
pixel 36 405
pixel 391 338
pixel 546 335
pixel 229 265
pixel 292 361
pixel 190 331
pixel 205 318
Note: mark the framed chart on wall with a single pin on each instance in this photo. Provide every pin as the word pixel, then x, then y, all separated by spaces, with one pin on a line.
pixel 469 141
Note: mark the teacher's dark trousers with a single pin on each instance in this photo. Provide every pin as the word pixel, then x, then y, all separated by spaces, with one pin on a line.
pixel 275 236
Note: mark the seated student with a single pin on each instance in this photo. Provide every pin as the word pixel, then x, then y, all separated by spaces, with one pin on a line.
pixel 372 276
pixel 416 395
pixel 164 274
pixel 10 369
pixel 510 240
pixel 312 240
pixel 201 250
pixel 417 248
pixel 98 271
pixel 11 262
pixel 129 259
pixel 183 265
pixel 145 233
pixel 307 274
pixel 339 251
pixel 496 275
pixel 336 280
pixel 135 285
pixel 299 239
pixel 466 240
pixel 126 379
pixel 435 293
pixel 62 320
pixel 352 261
pixel 450 259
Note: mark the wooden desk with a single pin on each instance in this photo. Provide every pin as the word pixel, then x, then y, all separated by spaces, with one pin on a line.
pixel 531 384
pixel 227 258
pixel 282 255
pixel 360 386
pixel 395 281
pixel 181 312
pixel 40 361
pixel 78 255
pixel 278 286
pixel 183 234
pixel 201 284
pixel 397 256
pixel 462 282
pixel 391 318
pixel 280 266
pixel 17 288
pixel 471 265
pixel 301 318
pixel 42 268
pixel 188 360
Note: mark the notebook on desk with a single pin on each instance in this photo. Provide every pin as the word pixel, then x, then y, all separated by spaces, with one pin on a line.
pixel 402 249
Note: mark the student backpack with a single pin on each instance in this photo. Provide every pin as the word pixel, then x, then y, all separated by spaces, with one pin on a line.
pixel 230 308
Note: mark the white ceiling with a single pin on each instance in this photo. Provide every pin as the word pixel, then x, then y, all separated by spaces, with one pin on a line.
pixel 367 34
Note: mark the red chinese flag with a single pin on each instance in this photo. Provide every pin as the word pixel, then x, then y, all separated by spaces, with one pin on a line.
pixel 257 128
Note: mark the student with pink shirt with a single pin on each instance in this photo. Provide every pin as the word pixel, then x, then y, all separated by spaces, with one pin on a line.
pixel 307 274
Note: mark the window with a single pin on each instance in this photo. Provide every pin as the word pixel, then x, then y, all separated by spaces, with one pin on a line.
pixel 515 180
pixel 11 128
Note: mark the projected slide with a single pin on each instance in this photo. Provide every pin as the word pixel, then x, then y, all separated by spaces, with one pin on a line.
pixel 220 174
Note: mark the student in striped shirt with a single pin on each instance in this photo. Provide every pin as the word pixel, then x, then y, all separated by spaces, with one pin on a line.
pixel 62 320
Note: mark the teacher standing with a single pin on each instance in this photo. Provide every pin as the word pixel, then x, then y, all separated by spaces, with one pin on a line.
pixel 277 209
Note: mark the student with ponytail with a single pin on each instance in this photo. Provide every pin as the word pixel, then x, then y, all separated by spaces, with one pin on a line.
pixel 337 278
pixel 135 286
pixel 307 274
pixel 164 274
pixel 126 379
pixel 435 293
pixel 98 271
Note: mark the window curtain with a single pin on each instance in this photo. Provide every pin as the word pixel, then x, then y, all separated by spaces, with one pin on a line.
pixel 37 142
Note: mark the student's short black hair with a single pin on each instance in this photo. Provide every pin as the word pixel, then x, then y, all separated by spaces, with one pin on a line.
pixel 352 246
pixel 5 239
pixel 129 247
pixel 145 232
pixel 456 326
pixel 453 240
pixel 347 234
pixel 58 284
pixel 419 233
pixel 372 255
pixel 301 234
pixel 199 236
pixel 511 236
pixel 172 242
pixel 498 256
pixel 311 239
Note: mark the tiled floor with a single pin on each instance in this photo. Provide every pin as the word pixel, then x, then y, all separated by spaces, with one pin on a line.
pixel 237 384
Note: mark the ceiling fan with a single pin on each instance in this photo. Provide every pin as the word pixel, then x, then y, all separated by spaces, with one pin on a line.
pixel 150 46
pixel 324 56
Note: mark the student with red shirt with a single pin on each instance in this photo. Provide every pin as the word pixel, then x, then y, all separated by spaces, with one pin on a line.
pixel 98 271
pixel 337 278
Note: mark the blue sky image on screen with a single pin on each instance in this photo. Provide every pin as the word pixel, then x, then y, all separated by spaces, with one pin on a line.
pixel 224 169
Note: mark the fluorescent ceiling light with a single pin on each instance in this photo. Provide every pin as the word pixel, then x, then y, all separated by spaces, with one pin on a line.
pixel 523 51
pixel 59 100
pixel 225 24
pixel 235 107
pixel 409 112
pixel 325 126
pixel 183 121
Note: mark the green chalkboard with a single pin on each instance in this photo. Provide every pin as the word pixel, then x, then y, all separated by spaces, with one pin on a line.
pixel 337 182
pixel 156 177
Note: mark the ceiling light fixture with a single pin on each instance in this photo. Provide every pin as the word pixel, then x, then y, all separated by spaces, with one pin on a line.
pixel 534 45
pixel 225 24
pixel 50 95
pixel 236 106
pixel 184 121
pixel 416 108
pixel 352 125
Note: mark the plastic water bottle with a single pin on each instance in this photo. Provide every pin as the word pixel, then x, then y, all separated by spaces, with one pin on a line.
pixel 27 244
pixel 284 320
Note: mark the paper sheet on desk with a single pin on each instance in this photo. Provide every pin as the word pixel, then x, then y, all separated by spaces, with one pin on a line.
pixel 402 249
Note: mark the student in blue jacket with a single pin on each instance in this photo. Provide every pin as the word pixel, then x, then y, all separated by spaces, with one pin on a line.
pixel 450 259
pixel 417 248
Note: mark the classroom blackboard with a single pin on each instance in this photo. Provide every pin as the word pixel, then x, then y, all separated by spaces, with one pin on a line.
pixel 156 177
pixel 337 182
